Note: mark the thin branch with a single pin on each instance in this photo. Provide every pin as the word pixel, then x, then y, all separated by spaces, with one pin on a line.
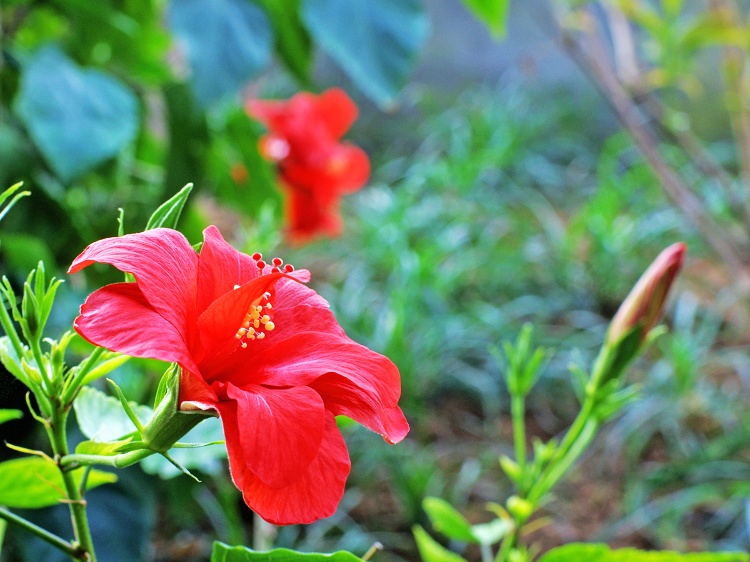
pixel 592 57
pixel 735 66
pixel 44 534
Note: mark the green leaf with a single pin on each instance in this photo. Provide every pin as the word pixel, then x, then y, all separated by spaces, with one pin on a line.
pixel 8 415
pixel 10 359
pixel 493 13
pixel 34 482
pixel 446 520
pixel 602 553
pixel 102 418
pixel 227 42
pixel 169 212
pixel 432 551
pixel 225 553
pixel 77 118
pixel 374 42
pixel 292 40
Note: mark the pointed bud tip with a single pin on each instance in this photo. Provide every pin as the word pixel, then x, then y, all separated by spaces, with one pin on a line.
pixel 644 304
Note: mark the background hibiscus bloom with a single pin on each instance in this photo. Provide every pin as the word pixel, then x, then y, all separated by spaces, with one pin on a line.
pixel 315 168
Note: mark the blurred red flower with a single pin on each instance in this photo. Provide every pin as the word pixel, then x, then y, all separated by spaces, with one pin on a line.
pixel 315 168
pixel 255 345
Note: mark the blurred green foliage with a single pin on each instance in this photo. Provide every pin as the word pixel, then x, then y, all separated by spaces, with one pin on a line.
pixel 509 206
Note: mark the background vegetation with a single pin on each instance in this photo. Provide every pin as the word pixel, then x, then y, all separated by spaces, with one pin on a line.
pixel 491 204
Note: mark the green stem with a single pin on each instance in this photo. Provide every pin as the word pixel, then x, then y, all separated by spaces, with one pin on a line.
pixel 71 387
pixel 3 526
pixel 558 469
pixel 43 534
pixel 486 552
pixel 505 546
pixel 518 413
pixel 76 503
pixel 115 461
pixel 36 350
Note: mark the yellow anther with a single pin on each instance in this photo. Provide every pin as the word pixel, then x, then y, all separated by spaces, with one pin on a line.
pixel 256 323
pixel 270 326
pixel 250 331
pixel 265 318
pixel 251 337
pixel 243 345
pixel 255 315
pixel 261 336
pixel 268 306
pixel 241 331
pixel 246 324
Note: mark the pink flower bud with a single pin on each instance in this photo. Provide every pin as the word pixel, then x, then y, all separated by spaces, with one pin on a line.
pixel 643 306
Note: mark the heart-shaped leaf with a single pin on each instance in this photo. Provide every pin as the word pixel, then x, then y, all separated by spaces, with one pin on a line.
pixel 226 42
pixel 374 42
pixel 77 117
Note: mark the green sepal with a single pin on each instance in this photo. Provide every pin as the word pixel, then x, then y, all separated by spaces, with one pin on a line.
pixel 126 406
pixel 614 358
pixel 168 423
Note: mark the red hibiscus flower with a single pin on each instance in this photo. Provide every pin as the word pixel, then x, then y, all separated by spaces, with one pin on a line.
pixel 315 168
pixel 255 345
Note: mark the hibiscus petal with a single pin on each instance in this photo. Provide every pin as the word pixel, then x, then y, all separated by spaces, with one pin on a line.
pixel 369 382
pixel 290 293
pixel 120 318
pixel 280 432
pixel 220 268
pixel 337 110
pixel 308 212
pixel 350 168
pixel 195 394
pixel 344 398
pixel 164 265
pixel 267 112
pixel 221 320
pixel 314 495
